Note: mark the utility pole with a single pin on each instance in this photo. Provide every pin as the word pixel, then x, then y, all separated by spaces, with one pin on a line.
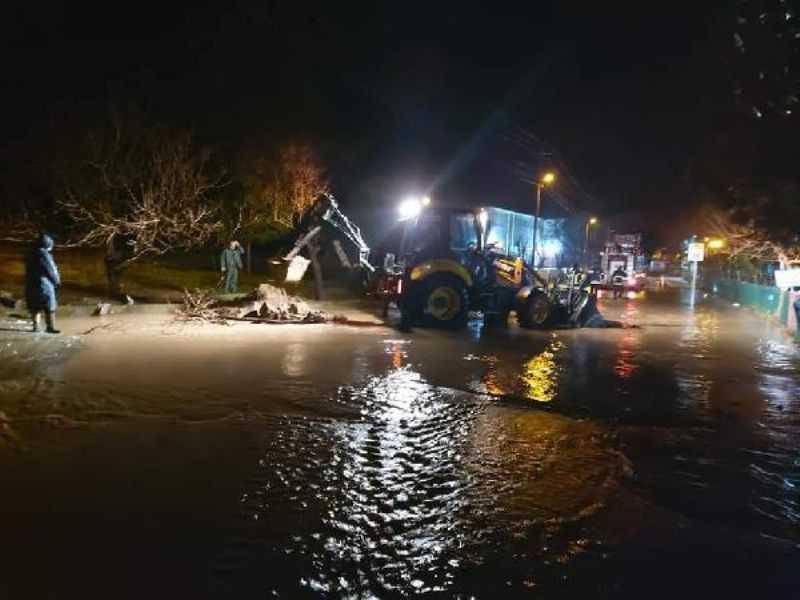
pixel 589 223
pixel 546 179
pixel 536 222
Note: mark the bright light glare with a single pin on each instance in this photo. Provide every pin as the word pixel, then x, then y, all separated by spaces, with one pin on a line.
pixel 551 248
pixel 409 208
pixel 716 244
pixel 548 178
pixel 426 200
pixel 593 221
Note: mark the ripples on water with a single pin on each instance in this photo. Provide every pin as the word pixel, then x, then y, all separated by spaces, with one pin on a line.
pixel 423 493
pixel 730 455
pixel 397 486
pixel 28 365
pixel 708 404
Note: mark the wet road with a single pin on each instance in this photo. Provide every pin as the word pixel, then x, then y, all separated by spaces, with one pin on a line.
pixel 338 462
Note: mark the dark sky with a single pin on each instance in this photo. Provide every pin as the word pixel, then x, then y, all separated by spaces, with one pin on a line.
pixel 400 96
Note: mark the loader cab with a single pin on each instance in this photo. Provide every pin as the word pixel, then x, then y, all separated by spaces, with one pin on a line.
pixel 440 233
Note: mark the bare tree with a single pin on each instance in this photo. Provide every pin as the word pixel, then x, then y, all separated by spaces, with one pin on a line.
pixel 298 180
pixel 19 228
pixel 276 192
pixel 138 192
pixel 744 239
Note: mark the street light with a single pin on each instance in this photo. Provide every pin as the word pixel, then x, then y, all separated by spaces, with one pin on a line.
pixel 546 179
pixel 589 223
pixel 412 206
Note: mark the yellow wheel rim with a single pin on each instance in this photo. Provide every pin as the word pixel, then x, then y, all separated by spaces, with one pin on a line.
pixel 444 303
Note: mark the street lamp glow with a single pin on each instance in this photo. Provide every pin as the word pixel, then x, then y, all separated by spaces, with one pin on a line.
pixel 409 208
pixel 593 221
pixel 548 178
pixel 716 244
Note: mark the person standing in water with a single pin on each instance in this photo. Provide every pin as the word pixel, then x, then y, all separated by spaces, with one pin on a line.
pixel 41 281
pixel 231 264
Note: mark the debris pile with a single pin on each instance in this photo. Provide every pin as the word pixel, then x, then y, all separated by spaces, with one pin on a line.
pixel 8 300
pixel 266 304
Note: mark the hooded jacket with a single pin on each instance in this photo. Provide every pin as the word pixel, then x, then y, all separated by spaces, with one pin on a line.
pixel 41 276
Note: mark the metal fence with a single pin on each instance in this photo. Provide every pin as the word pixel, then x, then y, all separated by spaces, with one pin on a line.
pixel 763 298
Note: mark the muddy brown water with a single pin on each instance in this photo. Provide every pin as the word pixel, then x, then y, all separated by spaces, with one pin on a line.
pixel 334 462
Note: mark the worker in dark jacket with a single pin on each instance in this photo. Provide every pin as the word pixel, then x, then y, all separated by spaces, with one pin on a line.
pixel 41 281
pixel 231 263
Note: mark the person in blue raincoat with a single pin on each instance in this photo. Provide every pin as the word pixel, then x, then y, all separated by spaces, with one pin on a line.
pixel 231 264
pixel 41 281
pixel 797 313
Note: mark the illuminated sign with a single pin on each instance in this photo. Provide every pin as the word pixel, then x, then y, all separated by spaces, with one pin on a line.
pixel 696 252
pixel 787 278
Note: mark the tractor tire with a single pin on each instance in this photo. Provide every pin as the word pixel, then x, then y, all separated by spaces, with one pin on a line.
pixel 536 312
pixel 442 301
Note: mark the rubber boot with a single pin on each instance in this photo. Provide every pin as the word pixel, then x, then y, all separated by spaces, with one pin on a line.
pixel 37 321
pixel 50 318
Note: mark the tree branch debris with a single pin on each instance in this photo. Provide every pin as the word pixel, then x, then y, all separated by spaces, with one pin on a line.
pixel 266 304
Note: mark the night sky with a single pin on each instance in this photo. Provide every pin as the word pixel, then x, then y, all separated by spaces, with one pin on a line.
pixel 463 99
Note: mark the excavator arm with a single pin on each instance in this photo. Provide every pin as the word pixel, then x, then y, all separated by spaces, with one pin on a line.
pixel 324 214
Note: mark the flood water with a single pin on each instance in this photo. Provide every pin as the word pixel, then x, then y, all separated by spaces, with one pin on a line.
pixel 339 462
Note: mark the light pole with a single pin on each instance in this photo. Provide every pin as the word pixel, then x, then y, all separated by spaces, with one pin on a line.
pixel 589 223
pixel 546 179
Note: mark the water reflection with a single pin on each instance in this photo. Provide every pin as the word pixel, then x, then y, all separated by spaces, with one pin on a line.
pixel 421 493
pixel 730 452
pixel 696 341
pixel 540 373
pixel 398 350
pixel 535 378
pixel 627 354
pixel 402 490
pixel 295 360
pixel 373 504
pixel 490 381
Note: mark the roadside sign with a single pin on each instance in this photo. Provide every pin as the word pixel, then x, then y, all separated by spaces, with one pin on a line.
pixel 787 278
pixel 696 252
